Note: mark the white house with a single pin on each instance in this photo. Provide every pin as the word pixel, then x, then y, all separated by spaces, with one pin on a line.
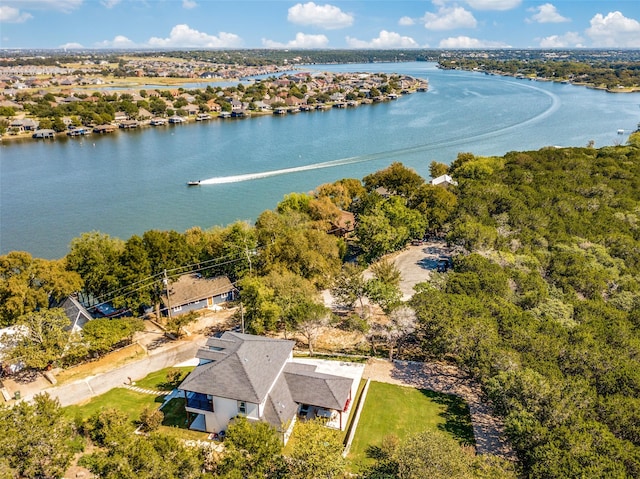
pixel 256 377
pixel 444 180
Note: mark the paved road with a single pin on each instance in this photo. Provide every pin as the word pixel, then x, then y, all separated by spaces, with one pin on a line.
pixel 166 356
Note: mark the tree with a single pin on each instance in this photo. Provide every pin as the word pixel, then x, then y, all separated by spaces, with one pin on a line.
pixel 291 293
pixel 317 452
pixel 396 179
pixel 37 438
pixel 135 274
pixel 310 319
pixel 387 227
pixel 166 250
pixel 435 203
pixel 175 326
pixel 151 419
pixel 402 322
pixel 28 284
pixel 384 288
pixel 349 286
pixel 103 334
pixel 437 169
pixel 259 308
pixel 434 455
pixel 42 339
pixel 252 450
pixel 95 257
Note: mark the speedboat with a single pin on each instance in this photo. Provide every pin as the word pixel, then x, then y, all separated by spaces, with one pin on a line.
pixel 193 183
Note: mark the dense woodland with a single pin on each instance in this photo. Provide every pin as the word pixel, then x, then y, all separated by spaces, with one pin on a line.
pixel 542 307
pixel 599 73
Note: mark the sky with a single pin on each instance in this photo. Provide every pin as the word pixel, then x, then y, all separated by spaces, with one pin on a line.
pixel 352 24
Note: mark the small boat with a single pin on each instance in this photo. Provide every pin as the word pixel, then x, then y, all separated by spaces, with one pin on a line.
pixel 621 132
pixel 193 183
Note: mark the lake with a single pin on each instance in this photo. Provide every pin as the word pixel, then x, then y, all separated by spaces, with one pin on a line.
pixel 135 180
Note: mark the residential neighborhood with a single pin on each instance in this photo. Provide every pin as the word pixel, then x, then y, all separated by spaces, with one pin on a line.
pixel 76 105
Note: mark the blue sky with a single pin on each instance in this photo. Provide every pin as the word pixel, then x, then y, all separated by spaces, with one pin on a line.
pixel 162 24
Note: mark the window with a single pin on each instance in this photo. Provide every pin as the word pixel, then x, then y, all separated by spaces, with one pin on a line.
pixel 242 407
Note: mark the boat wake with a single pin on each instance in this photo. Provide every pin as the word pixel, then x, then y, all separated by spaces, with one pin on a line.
pixel 395 154
pixel 219 180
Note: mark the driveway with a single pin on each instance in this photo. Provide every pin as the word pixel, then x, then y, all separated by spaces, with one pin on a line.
pixel 416 264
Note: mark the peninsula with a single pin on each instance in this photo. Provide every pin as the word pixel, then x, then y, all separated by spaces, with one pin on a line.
pixel 43 102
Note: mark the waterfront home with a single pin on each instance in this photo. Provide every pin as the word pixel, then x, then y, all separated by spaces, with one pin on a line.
pixel 120 116
pixel 76 312
pixel 106 128
pixel 24 124
pixel 128 124
pixel 144 114
pixel 192 109
pixel 257 377
pixel 192 292
pixel 44 134
pixel 444 180
pixel 79 131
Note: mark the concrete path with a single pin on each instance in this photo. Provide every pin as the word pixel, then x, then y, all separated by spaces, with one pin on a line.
pixel 443 378
pixel 150 392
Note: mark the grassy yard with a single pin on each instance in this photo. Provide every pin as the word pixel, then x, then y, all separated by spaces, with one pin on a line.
pixel 390 409
pixel 158 380
pixel 133 403
pixel 130 402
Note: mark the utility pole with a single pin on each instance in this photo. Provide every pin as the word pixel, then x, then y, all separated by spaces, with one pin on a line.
pixel 242 317
pixel 165 280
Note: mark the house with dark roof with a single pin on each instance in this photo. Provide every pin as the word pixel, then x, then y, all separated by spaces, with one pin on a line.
pixel 257 377
pixel 191 292
pixel 76 312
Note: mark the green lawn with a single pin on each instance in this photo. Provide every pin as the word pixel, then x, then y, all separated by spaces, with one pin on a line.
pixel 130 402
pixel 133 403
pixel 158 379
pixel 390 409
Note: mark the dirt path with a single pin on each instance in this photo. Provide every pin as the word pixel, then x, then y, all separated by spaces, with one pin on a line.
pixel 447 379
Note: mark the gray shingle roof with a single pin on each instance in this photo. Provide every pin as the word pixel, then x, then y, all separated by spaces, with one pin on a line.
pixel 280 407
pixel 243 367
pixel 317 389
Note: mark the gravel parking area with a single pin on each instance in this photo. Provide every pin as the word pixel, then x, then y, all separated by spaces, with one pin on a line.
pixel 417 262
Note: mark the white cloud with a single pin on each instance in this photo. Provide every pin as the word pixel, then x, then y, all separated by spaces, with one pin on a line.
pixel 568 40
pixel 406 21
pixel 614 30
pixel 302 40
pixel 326 16
pixel 110 3
pixel 385 40
pixel 449 18
pixel 71 46
pixel 119 41
pixel 546 13
pixel 493 4
pixel 185 36
pixel 13 15
pixel 189 4
pixel 468 42
pixel 64 6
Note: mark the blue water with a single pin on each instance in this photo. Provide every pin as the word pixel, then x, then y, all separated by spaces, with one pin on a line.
pixel 132 181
